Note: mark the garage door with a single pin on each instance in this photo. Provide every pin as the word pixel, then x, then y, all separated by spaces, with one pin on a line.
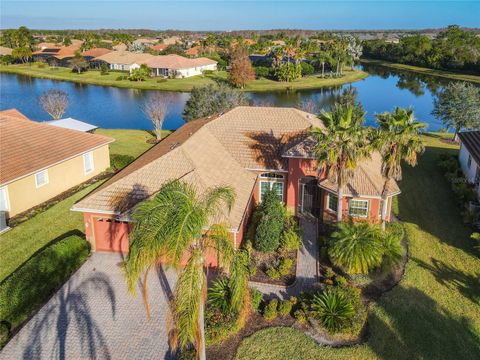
pixel 111 235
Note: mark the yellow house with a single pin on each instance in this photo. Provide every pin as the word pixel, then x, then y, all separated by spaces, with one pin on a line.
pixel 40 161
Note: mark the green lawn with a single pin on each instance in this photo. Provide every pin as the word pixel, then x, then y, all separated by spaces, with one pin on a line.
pixel 129 142
pixel 434 313
pixel 426 71
pixel 94 77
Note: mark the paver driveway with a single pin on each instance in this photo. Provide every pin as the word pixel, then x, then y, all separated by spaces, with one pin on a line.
pixel 93 317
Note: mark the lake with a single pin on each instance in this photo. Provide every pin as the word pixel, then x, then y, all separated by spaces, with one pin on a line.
pixel 111 107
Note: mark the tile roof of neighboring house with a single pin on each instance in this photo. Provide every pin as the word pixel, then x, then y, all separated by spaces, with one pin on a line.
pixel 176 62
pixel 367 179
pixel 5 51
pixel 159 47
pixel 73 124
pixel 193 51
pixel 96 52
pixel 28 146
pixel 124 57
pixel 60 52
pixel 471 140
pixel 120 47
pixel 44 45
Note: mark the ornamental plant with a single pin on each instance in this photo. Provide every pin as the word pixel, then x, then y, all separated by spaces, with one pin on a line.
pixel 333 309
pixel 270 225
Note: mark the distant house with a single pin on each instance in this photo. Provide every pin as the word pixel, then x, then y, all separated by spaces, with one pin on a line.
pixel 159 47
pixel 57 55
pixel 145 41
pixel 193 51
pixel 5 51
pixel 123 60
pixel 469 156
pixel 177 66
pixel 39 161
pixel 73 124
pixel 251 149
pixel 95 52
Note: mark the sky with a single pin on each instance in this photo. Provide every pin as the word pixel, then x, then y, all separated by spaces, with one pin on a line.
pixel 238 15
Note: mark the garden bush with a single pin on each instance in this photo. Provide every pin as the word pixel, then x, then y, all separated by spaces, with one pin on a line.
pixel 121 77
pixel 257 298
pixel 219 295
pixel 285 266
pixel 307 69
pixel 119 161
pixel 290 239
pixel 270 312
pixel 273 273
pixel 333 309
pixel 219 325
pixel 270 225
pixel 104 69
pixel 34 282
pixel 300 316
pixel 285 306
pixel 262 71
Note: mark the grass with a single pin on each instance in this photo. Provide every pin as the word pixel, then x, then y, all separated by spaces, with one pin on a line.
pixel 187 84
pixel 35 281
pixel 426 71
pixel 434 313
pixel 129 142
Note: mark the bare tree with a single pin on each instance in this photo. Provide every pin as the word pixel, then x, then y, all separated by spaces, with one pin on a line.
pixel 156 108
pixel 54 102
pixel 309 106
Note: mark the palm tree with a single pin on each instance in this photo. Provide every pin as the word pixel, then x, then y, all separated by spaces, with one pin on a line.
pixel 340 146
pixel 398 139
pixel 324 57
pixel 174 223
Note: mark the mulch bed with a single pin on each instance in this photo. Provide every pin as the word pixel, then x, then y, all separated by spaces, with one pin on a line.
pixel 265 260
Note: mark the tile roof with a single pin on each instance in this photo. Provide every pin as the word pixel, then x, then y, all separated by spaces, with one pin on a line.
pixel 174 61
pixel 193 51
pixel 471 140
pixel 28 146
pixel 124 57
pixel 159 47
pixel 60 52
pixel 96 52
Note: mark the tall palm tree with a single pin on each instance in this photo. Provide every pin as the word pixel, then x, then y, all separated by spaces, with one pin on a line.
pixel 341 146
pixel 174 223
pixel 398 139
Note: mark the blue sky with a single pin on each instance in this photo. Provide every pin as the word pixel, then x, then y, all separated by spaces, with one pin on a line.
pixel 235 15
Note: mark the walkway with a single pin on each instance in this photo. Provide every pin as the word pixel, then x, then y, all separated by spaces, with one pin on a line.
pixel 93 317
pixel 306 275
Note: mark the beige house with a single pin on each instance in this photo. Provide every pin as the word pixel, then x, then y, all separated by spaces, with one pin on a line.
pixel 39 161
pixel 123 60
pixel 177 66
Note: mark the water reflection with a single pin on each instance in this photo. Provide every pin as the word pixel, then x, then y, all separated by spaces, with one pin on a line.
pixel 112 107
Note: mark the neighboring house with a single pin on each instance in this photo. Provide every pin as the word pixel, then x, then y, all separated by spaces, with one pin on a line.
pixel 250 149
pixel 159 47
pixel 120 47
pixel 40 161
pixel 177 66
pixel 5 51
pixel 57 55
pixel 172 40
pixel 469 156
pixel 73 124
pixel 123 60
pixel 193 51
pixel 92 53
pixel 145 41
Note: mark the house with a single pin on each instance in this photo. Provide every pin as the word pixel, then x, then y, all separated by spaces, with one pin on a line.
pixel 92 53
pixel 40 161
pixel 469 156
pixel 57 55
pixel 193 51
pixel 123 60
pixel 73 124
pixel 5 51
pixel 177 66
pixel 159 47
pixel 251 149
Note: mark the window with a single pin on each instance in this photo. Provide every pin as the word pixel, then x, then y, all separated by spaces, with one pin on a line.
pixel 332 203
pixel 358 208
pixel 41 178
pixel 272 181
pixel 469 161
pixel 4 199
pixel 88 162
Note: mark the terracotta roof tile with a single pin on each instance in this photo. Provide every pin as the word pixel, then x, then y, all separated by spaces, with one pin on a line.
pixel 95 52
pixel 28 146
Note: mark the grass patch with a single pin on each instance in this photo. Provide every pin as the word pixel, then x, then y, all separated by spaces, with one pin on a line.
pixel 434 313
pixel 425 71
pixel 35 281
pixel 94 77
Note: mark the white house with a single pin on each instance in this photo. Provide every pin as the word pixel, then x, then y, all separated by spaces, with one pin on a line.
pixel 177 66
pixel 123 60
pixel 469 156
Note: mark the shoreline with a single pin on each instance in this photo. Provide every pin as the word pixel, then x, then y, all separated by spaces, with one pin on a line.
pixel 93 77
pixel 426 71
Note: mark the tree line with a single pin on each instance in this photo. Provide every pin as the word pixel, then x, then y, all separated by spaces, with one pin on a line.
pixel 453 49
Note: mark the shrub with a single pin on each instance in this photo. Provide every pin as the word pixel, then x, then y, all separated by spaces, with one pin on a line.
pixel 34 282
pixel 6 59
pixel 270 226
pixel 273 273
pixel 307 69
pixel 121 77
pixel 285 266
pixel 333 309
pixel 285 307
pixel 341 281
pixel 219 295
pixel 257 298
pixel 356 248
pixel 219 325
pixel 139 74
pixel 103 69
pixel 290 239
pixel 329 273
pixel 270 312
pixel 161 80
pixel 464 192
pixel 300 316
pixel 262 71
pixel 392 245
pixel 207 72
pixel 119 161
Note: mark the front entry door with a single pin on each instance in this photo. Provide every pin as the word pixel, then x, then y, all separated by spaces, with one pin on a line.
pixel 309 196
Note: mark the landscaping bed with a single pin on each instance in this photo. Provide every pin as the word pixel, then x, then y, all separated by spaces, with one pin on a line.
pixel 263 262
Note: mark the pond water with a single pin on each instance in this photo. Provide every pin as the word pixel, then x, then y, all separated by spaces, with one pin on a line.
pixel 111 107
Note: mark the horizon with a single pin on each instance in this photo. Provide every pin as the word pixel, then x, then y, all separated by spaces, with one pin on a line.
pixel 239 16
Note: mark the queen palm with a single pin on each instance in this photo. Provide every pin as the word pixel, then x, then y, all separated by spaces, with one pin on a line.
pixel 174 223
pixel 341 145
pixel 398 140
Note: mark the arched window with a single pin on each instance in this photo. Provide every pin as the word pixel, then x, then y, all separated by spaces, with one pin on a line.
pixel 273 181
